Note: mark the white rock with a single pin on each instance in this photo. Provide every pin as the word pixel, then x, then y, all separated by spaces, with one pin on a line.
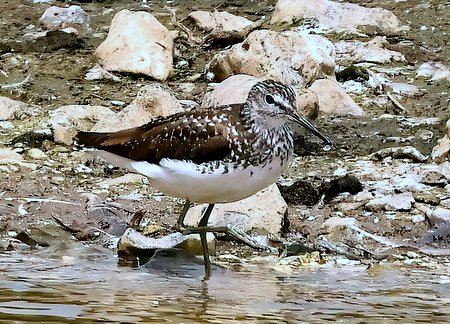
pixel 373 51
pixel 132 239
pixel 137 43
pixel 219 20
pixel 438 216
pixel 6 125
pixel 433 70
pixel 13 109
pixel 336 16
pixel 99 73
pixel 261 213
pixel 134 243
pixel 12 160
pixel 399 202
pixel 290 57
pixel 402 152
pixel 232 90
pixel 7 155
pixel 125 179
pixel 403 89
pixel 67 120
pixel 345 236
pixel 36 154
pixel 58 18
pixel 334 100
pixel 153 100
pixel 441 151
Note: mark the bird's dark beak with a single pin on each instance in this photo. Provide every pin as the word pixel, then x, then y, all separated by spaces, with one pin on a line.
pixel 296 118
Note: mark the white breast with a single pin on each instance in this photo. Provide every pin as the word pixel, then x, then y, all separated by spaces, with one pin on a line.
pixel 183 179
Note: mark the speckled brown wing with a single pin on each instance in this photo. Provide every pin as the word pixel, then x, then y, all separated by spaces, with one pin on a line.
pixel 197 135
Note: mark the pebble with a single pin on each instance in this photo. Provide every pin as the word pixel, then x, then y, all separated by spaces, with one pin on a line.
pixel 36 154
pixel 229 258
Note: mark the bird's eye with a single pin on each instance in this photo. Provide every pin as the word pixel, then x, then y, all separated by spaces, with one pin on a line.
pixel 270 100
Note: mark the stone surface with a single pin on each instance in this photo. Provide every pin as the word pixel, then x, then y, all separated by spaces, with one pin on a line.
pixel 336 16
pixel 99 73
pixel 373 51
pixel 153 100
pixel 125 179
pixel 193 244
pixel 403 89
pixel 434 178
pixel 441 151
pixel 13 109
pixel 290 57
pixel 36 154
pixel 232 90
pixel 133 243
pixel 402 152
pixel 11 161
pixel 67 120
pixel 262 213
pixel 137 43
pixel 334 100
pixel 235 90
pixel 59 18
pixel 434 71
pixel 437 216
pixel 45 235
pixel 398 202
pixel 219 20
pixel 345 236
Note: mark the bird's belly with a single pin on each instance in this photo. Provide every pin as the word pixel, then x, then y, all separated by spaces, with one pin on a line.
pixel 216 186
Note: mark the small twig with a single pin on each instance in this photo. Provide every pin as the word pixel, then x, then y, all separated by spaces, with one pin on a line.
pixel 46 200
pixel 396 103
pixel 18 84
pixel 230 37
pixel 189 33
pixel 97 96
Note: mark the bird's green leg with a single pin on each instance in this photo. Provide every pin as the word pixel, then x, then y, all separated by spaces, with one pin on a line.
pixel 203 224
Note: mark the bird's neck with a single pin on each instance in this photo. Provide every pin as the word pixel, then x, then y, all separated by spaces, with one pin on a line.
pixel 275 139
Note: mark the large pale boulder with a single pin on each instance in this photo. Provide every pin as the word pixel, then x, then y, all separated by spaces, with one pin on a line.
pixel 337 16
pixel 262 213
pixel 67 120
pixel 235 89
pixel 137 43
pixel 372 51
pixel 334 100
pixel 290 57
pixel 153 100
pixel 219 20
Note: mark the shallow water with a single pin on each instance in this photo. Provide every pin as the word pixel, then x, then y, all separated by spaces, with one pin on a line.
pixel 93 287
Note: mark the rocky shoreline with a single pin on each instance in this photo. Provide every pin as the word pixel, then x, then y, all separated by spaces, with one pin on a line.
pixel 381 194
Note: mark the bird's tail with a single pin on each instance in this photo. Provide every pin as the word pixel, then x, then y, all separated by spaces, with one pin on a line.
pixel 92 140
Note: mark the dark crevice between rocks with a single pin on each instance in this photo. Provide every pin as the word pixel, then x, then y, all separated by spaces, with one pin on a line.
pixel 308 193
